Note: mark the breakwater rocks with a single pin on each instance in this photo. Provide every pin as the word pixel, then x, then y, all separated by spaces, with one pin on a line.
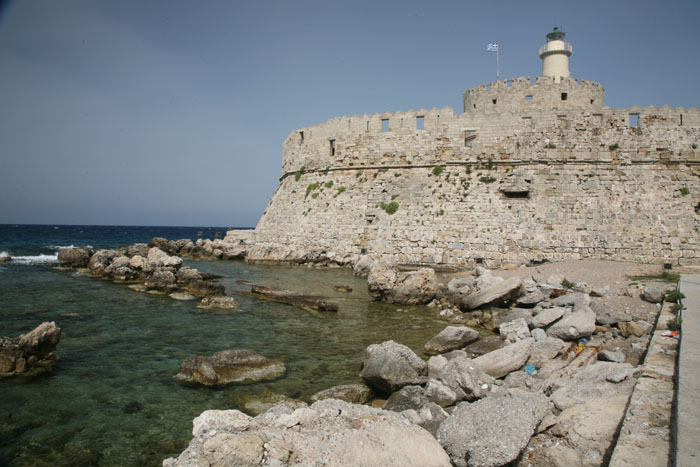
pixel 148 268
pixel 30 354
pixel 549 387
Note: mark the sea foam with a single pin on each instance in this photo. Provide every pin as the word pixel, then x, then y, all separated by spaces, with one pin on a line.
pixel 35 259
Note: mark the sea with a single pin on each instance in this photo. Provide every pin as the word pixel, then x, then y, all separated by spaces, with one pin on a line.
pixel 111 399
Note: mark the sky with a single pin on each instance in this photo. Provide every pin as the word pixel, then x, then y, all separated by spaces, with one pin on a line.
pixel 173 112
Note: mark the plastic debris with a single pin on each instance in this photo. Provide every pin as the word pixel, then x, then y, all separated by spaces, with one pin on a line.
pixel 530 369
pixel 670 334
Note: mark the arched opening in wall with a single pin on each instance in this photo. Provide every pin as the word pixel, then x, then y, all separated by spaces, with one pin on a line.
pixel 385 125
pixel 301 137
pixel 332 147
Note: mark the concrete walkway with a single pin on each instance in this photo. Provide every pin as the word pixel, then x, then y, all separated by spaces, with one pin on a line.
pixel 688 421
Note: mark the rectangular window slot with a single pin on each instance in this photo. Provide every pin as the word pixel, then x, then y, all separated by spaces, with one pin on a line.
pixel 301 137
pixel 494 100
pixel 332 142
pixel 681 119
pixel 564 96
pixel 527 121
pixel 385 125
pixel 528 98
pixel 402 123
pixel 634 120
pixel 592 101
pixel 420 124
pixel 367 125
pixel 437 120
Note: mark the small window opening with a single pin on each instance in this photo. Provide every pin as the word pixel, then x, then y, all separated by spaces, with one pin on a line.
pixel 494 100
pixel 301 137
pixel 420 124
pixel 681 119
pixel 385 125
pixel 528 98
pixel 533 80
pixel 332 147
pixel 510 83
pixel 479 260
pixel 475 106
pixel 437 120
pixel 634 120
pixel 402 123
pixel 564 96
pixel 592 101
pixel 516 194
pixel 697 209
pixel 349 124
pixel 367 125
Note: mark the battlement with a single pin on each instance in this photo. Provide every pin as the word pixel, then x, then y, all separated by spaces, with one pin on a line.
pixel 522 95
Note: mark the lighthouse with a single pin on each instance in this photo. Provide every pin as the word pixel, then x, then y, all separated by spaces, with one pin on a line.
pixel 555 55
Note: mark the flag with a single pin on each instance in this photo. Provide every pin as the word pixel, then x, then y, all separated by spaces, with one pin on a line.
pixel 492 47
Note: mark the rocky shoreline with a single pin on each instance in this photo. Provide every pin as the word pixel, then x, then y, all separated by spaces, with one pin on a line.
pixel 550 386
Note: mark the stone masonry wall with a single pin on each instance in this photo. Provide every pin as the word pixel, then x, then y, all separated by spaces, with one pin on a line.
pixel 518 182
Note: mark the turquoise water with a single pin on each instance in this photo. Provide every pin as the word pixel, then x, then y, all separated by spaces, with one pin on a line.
pixel 112 400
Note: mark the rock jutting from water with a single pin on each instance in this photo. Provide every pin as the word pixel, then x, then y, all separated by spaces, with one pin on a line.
pixel 31 353
pixel 229 366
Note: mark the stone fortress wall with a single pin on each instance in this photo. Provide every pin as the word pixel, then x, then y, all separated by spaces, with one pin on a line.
pixel 533 169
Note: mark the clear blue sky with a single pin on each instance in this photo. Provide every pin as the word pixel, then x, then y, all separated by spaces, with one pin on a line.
pixel 173 112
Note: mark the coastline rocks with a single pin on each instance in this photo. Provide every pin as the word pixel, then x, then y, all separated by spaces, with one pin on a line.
pixel 652 294
pixel 363 266
pixel 385 282
pixel 506 359
pixel 493 431
pixel 389 366
pixel 157 258
pixel 101 259
pixel 496 291
pixel 229 366
pixel 352 393
pixel 464 378
pixel 574 326
pixel 75 257
pixel 329 432
pixel 451 338
pixel 30 353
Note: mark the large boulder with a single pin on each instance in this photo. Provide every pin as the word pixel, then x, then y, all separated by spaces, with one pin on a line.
pixel 329 432
pixel 157 258
pixel 547 316
pixel 389 366
pixel 101 259
pixel 451 338
pixel 385 282
pixel 75 257
pixel 464 378
pixel 229 366
pixel 652 294
pixel 497 291
pixel 574 326
pixel 493 431
pixel 30 353
pixel 506 359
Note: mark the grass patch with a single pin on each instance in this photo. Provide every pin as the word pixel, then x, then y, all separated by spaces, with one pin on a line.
pixel 329 184
pixel 390 208
pixel 567 283
pixel 297 174
pixel 685 191
pixel 341 189
pixel 613 147
pixel 674 295
pixel 665 276
pixel 311 187
pixel 487 179
pixel 437 170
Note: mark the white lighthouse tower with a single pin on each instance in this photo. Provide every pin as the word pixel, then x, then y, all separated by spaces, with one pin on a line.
pixel 555 55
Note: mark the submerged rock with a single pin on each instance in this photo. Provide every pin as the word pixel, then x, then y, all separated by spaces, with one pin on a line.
pixel 30 353
pixel 218 302
pixel 353 393
pixel 229 366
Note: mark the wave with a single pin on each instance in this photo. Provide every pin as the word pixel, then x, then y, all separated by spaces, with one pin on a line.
pixel 63 247
pixel 36 259
pixel 3 254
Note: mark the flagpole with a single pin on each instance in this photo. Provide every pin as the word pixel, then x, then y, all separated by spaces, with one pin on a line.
pixel 498 61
